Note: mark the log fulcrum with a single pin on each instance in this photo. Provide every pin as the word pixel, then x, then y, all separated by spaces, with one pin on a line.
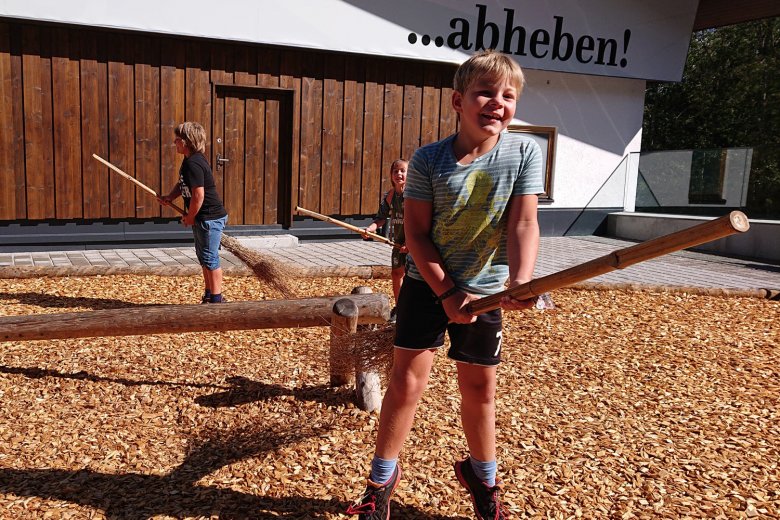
pixel 171 319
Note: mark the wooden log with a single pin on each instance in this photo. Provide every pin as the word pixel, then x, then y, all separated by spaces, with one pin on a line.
pixel 173 319
pixel 343 323
pixel 368 385
pixel 734 222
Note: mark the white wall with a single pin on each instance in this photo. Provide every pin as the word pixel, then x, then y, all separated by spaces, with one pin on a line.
pixel 599 122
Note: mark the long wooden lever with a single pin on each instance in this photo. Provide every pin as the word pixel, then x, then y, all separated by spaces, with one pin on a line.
pixel 734 222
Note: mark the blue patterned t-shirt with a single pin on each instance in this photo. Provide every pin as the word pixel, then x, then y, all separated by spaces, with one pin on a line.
pixel 470 204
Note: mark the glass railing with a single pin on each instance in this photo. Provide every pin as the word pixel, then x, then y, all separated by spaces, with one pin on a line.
pixel 710 182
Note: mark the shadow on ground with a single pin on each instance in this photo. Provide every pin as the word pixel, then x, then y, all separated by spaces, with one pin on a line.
pixel 68 302
pixel 132 496
pixel 37 373
pixel 245 391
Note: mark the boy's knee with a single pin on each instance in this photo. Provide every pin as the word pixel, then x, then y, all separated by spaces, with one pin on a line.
pixel 481 392
pixel 409 387
pixel 211 262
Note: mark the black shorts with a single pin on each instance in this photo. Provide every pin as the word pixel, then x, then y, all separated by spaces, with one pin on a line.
pixel 421 322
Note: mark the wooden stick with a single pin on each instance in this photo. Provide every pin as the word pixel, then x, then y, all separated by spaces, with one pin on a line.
pixel 263 266
pixel 734 222
pixel 174 319
pixel 138 183
pixel 344 225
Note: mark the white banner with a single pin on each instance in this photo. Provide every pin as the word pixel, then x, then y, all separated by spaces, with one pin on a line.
pixel 623 38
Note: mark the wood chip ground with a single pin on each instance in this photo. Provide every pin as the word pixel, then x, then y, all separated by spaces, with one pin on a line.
pixel 615 405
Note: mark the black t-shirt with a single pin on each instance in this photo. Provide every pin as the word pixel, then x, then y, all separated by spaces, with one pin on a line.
pixel 196 172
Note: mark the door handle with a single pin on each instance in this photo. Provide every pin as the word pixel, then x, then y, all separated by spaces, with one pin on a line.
pixel 221 160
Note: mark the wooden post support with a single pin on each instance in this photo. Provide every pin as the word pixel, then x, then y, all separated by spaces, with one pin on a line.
pixel 368 385
pixel 343 323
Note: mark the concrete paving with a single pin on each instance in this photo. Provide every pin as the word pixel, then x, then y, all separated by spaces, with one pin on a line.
pixel 356 257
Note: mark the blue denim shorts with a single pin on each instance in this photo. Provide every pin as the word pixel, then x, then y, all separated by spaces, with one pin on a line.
pixel 208 234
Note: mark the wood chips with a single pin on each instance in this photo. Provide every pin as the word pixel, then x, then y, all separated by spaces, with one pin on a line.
pixel 615 405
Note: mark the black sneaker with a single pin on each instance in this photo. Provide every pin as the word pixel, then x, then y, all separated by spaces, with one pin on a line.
pixel 206 297
pixel 487 505
pixel 375 502
pixel 393 315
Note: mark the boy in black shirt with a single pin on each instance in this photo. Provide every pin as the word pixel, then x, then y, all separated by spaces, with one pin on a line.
pixel 205 212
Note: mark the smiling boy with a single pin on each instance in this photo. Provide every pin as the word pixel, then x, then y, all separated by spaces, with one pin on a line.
pixel 471 229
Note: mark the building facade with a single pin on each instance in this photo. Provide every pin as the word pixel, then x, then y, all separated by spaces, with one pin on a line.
pixel 306 104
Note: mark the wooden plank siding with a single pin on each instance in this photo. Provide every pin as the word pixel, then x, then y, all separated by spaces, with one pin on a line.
pixel 9 203
pixel 67 125
pixel 172 90
pixel 393 120
pixel 309 178
pixel 38 138
pixel 254 190
pixel 17 108
pixel 352 142
pixel 147 124
pixel 299 127
pixel 94 126
pixel 332 125
pixel 374 101
pixel 121 126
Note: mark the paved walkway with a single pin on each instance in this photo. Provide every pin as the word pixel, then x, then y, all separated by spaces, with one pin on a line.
pixel 359 258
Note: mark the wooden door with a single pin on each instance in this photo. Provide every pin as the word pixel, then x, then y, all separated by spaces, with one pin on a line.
pixel 252 153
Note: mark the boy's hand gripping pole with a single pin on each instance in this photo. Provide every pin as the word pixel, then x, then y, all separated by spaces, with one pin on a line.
pixel 734 222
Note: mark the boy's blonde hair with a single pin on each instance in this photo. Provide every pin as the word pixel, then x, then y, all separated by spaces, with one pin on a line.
pixel 194 135
pixel 489 64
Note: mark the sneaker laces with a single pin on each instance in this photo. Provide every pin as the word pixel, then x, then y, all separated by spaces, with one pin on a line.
pixel 360 507
pixel 501 511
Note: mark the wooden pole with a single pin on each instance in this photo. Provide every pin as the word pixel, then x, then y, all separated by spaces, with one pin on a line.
pixel 356 229
pixel 137 182
pixel 734 222
pixel 172 319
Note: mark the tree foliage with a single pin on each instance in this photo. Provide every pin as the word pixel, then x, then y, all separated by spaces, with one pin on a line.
pixel 729 97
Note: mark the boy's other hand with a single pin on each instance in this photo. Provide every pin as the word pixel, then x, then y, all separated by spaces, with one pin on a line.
pixel 510 303
pixel 455 307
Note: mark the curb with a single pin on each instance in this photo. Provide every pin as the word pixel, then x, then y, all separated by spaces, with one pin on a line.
pixel 365 272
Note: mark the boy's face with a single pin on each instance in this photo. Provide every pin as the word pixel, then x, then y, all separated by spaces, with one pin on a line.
pixel 181 145
pixel 398 174
pixel 487 107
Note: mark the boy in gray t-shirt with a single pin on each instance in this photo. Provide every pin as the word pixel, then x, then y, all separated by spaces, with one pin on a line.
pixel 471 227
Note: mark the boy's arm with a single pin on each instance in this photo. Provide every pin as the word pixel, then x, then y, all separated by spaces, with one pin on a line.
pixel 172 195
pixel 380 219
pixel 376 224
pixel 522 241
pixel 417 228
pixel 198 196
